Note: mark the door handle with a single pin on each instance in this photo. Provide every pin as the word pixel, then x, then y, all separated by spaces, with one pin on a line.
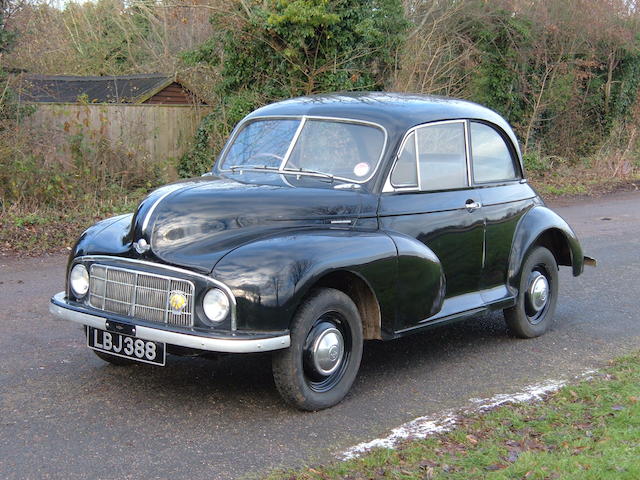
pixel 472 205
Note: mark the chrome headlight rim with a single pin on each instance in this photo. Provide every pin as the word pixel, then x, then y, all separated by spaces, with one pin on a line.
pixel 216 305
pixel 79 280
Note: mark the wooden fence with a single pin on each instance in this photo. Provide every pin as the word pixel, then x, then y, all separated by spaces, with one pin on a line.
pixel 146 133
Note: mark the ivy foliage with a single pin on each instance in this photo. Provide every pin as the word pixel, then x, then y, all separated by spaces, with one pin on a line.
pixel 496 81
pixel 274 49
pixel 7 107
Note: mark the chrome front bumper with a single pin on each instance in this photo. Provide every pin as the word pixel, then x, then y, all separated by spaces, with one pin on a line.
pixel 62 310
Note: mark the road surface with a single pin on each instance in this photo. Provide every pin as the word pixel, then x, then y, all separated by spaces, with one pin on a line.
pixel 66 414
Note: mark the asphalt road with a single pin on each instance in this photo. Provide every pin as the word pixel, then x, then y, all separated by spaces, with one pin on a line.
pixel 66 414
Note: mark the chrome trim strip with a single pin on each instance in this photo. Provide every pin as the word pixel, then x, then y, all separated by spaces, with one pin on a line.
pixel 467 147
pixel 417 159
pixel 217 283
pixel 145 223
pixel 388 186
pixel 303 119
pixel 223 345
pixel 293 143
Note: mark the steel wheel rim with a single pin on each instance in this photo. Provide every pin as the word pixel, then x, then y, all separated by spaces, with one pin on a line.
pixel 326 352
pixel 537 295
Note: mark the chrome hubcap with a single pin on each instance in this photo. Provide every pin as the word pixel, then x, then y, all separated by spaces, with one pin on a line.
pixel 538 292
pixel 327 351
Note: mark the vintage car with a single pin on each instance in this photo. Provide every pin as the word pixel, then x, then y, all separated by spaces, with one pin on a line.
pixel 326 221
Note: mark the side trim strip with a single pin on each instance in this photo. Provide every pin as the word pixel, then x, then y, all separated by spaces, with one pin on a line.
pixel 145 223
pixel 223 345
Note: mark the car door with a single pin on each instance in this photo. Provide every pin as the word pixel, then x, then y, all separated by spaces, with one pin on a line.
pixel 505 198
pixel 429 197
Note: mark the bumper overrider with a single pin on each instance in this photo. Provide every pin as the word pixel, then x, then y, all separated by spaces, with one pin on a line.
pixel 233 342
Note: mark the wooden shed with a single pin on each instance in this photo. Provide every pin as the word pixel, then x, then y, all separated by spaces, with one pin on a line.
pixel 150 116
pixel 128 89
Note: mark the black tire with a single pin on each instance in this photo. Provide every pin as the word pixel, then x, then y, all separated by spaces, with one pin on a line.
pixel 531 316
pixel 114 360
pixel 298 372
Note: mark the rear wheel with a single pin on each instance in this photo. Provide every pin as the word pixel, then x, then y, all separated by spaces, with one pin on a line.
pixel 319 367
pixel 533 313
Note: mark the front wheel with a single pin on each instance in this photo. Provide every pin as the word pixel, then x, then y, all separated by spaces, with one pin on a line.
pixel 533 313
pixel 319 367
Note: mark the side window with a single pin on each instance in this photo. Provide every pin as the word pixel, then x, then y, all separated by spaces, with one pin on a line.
pixel 442 156
pixel 405 171
pixel 492 160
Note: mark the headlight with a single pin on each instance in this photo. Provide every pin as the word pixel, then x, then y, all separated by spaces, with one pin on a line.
pixel 79 280
pixel 215 305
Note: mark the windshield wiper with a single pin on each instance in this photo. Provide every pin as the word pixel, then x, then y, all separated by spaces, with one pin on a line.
pixel 298 171
pixel 235 168
pixel 289 171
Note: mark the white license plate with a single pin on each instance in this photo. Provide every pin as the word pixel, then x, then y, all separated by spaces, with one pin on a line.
pixel 127 346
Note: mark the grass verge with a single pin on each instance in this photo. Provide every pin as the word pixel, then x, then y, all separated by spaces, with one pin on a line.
pixel 580 179
pixel 589 430
pixel 39 230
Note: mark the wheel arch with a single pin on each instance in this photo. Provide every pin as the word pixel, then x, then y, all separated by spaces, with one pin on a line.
pixel 270 277
pixel 362 295
pixel 554 240
pixel 543 227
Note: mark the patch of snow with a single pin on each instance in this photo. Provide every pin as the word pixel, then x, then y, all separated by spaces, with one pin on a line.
pixel 425 426
pixel 531 393
pixel 421 427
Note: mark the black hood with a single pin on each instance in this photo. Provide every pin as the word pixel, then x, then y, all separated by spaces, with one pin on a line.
pixel 194 223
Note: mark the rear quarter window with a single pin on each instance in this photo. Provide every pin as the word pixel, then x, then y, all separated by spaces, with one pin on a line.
pixel 491 158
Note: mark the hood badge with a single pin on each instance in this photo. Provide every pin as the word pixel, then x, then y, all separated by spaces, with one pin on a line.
pixel 141 246
pixel 177 301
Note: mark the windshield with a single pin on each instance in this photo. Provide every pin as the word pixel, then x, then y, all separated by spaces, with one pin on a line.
pixel 342 149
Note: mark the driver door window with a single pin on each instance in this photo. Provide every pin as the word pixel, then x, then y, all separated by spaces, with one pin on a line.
pixel 440 151
pixel 442 161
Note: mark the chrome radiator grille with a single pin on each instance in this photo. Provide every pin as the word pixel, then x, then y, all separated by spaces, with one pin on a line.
pixel 139 294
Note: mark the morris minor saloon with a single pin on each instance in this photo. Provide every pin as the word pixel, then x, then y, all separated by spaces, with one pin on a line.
pixel 326 221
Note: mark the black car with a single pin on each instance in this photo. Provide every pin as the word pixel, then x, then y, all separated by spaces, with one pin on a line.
pixel 326 221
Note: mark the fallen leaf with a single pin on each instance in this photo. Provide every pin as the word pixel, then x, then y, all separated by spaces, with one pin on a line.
pixel 426 464
pixel 513 456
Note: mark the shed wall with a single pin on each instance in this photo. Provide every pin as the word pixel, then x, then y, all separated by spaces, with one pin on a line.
pixel 156 132
pixel 174 94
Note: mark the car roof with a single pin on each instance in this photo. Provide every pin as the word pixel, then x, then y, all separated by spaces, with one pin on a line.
pixel 396 112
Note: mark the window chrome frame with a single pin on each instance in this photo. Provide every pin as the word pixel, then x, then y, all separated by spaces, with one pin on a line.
pixel 294 140
pixel 405 140
pixel 517 167
pixel 390 188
